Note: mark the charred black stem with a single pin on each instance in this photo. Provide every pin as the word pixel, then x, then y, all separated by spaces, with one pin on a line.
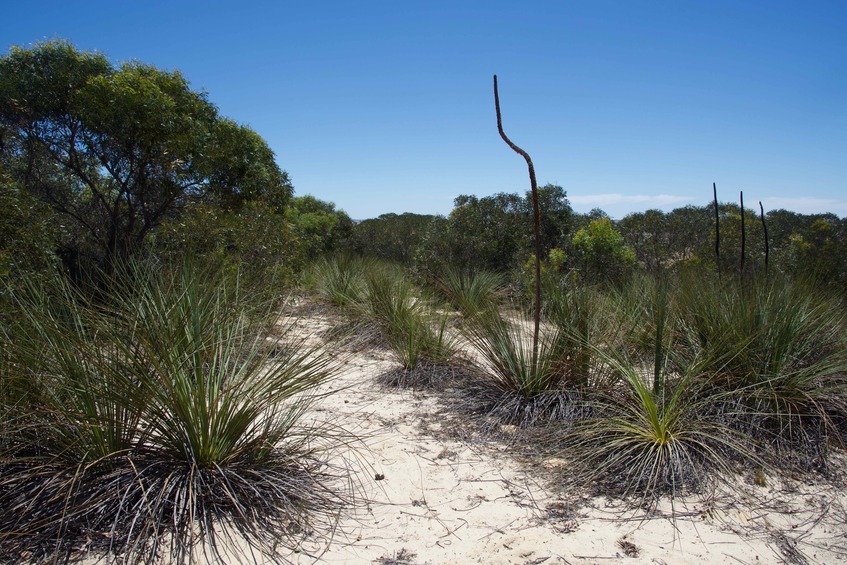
pixel 717 230
pixel 765 228
pixel 743 237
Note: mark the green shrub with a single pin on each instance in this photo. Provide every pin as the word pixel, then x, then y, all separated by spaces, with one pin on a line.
pixel 338 280
pixel 472 293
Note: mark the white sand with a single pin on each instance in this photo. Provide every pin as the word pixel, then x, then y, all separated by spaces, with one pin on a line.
pixel 442 501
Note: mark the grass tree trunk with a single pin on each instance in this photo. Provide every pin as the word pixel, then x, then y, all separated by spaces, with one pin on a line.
pixel 536 215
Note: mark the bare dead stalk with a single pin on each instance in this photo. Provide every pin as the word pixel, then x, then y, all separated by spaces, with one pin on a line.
pixel 743 236
pixel 717 230
pixel 536 215
pixel 765 228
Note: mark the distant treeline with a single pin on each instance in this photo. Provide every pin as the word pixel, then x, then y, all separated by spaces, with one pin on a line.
pixel 494 233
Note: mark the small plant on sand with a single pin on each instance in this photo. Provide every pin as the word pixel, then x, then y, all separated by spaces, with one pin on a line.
pixel 510 387
pixel 653 431
pixel 635 311
pixel 578 310
pixel 166 426
pixel 409 319
pixel 647 439
pixel 472 293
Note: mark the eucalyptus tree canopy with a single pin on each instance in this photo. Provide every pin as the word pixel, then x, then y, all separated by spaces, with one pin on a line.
pixel 115 150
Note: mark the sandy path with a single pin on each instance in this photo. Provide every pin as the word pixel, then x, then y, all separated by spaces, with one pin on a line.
pixel 439 500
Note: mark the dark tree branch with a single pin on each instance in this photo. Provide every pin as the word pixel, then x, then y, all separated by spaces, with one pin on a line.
pixel 536 215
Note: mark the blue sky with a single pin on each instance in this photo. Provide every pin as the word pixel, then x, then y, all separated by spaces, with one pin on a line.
pixel 388 106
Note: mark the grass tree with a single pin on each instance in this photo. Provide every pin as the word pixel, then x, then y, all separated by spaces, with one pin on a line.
pixel 414 328
pixel 777 347
pixel 166 425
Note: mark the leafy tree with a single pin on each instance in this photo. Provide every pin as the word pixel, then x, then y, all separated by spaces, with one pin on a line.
pixel 27 240
pixel 690 237
pixel 317 227
pixel 661 240
pixel 27 236
pixel 487 233
pixel 255 240
pixel 556 216
pixel 117 150
pixel 648 235
pixel 395 237
pixel 819 252
pixel 494 233
pixel 434 252
pixel 600 252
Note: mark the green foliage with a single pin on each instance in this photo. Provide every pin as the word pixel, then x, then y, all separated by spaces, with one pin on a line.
pixel 433 254
pixel 494 232
pixel 778 347
pixel 487 233
pixel 557 259
pixel 117 150
pixel 806 246
pixel 600 253
pixel 414 328
pixel 661 240
pixel 514 384
pixel 338 279
pixel 254 241
pixel 639 310
pixel 317 227
pixel 27 238
pixel 506 347
pixel 819 252
pixel 577 310
pixel 473 294
pixel 645 443
pixel 392 237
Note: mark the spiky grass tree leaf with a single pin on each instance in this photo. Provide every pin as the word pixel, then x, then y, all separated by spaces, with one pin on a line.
pixel 338 280
pixel 409 318
pixel 472 293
